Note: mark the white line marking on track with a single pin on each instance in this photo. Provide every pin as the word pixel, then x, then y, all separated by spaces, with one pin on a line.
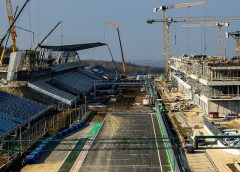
pixel 159 157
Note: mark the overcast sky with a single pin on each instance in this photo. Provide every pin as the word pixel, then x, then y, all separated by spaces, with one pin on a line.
pixel 83 21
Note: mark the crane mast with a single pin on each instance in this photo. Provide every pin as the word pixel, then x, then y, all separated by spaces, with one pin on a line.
pixel 212 24
pixel 115 26
pixel 236 37
pixel 10 21
pixel 167 21
pixel 166 25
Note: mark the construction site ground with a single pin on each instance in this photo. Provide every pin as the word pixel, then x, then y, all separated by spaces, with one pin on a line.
pixel 123 120
pixel 190 119
pixel 126 120
pixel 227 124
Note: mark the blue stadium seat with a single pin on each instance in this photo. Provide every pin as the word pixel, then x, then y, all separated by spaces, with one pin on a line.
pixel 78 82
pixel 16 110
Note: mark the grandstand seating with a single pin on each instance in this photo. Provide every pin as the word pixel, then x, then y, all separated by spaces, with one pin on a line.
pixel 64 66
pixel 43 87
pixel 17 110
pixel 65 87
pixel 19 107
pixel 77 82
pixel 90 73
pixel 6 123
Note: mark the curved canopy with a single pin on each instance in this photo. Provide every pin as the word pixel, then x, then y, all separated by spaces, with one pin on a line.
pixel 75 47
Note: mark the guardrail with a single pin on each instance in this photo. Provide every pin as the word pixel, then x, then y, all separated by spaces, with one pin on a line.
pixel 211 126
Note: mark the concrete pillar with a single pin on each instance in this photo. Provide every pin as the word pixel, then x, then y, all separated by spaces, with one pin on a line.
pixel 14 62
pixel 238 90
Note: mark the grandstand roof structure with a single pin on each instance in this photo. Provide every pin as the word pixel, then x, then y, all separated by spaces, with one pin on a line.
pixel 16 111
pixel 75 47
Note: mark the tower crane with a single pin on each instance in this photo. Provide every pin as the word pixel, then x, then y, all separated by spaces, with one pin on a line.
pixel 168 21
pixel 5 46
pixel 236 37
pixel 116 26
pixel 10 21
pixel 166 36
pixel 212 24
pixel 14 19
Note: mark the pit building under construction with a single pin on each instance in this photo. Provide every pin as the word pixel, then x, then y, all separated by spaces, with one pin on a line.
pixel 210 82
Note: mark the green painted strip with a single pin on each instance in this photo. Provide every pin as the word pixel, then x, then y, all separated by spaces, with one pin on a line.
pixel 153 96
pixel 95 129
pixel 165 142
pixel 68 163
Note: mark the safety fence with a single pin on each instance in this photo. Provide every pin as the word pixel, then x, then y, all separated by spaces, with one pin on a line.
pixel 33 131
pixel 211 127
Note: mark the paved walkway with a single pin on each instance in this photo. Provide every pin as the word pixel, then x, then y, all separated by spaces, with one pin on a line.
pixel 51 162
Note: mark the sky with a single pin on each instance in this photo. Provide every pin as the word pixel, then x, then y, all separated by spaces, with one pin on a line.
pixel 83 22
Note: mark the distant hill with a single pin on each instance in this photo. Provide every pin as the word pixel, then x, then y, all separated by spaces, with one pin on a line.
pixel 131 68
pixel 152 63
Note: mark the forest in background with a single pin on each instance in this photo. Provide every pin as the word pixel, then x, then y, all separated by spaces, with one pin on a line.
pixel 131 68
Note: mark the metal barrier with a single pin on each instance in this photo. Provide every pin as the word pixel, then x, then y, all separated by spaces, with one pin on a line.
pixel 211 126
pixel 176 156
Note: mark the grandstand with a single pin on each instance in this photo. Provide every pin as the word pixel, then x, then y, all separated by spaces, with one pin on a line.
pixel 76 82
pixel 64 66
pixel 16 111
pixel 67 87
pixel 48 90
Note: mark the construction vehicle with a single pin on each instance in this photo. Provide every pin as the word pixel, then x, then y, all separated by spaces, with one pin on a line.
pixel 116 26
pixel 212 24
pixel 118 78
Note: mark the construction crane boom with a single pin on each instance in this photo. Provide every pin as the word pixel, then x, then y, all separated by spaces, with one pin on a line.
pixel 212 24
pixel 10 21
pixel 192 19
pixel 167 21
pixel 115 26
pixel 166 25
pixel 5 46
pixel 12 24
pixel 27 30
pixel 118 78
pixel 180 5
pixel 48 34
